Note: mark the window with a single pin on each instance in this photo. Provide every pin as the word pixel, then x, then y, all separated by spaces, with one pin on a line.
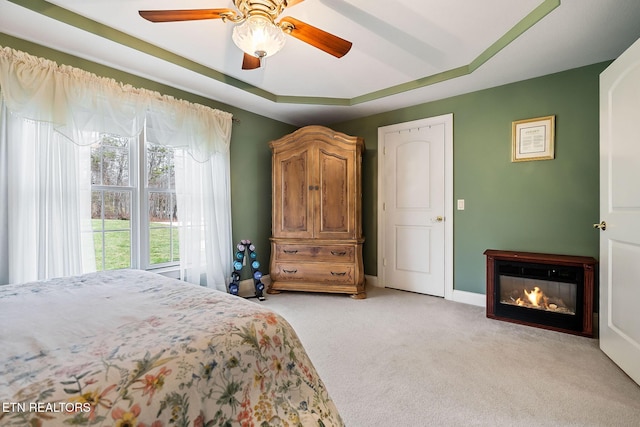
pixel 133 225
pixel 46 221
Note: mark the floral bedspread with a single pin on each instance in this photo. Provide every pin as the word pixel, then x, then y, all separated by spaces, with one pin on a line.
pixel 130 348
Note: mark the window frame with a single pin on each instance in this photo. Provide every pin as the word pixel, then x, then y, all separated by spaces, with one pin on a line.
pixel 138 188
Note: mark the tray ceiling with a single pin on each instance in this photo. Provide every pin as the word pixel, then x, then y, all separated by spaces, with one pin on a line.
pixel 404 52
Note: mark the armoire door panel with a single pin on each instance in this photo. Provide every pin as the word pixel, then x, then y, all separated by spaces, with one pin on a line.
pixel 336 198
pixel 334 206
pixel 294 218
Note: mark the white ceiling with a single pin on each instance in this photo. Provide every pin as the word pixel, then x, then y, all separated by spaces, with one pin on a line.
pixel 399 48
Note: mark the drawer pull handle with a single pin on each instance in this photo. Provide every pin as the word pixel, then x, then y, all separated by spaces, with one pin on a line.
pixel 289 271
pixel 336 253
pixel 290 251
pixel 333 273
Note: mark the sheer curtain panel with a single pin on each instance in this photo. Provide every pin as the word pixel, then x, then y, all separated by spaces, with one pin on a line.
pixel 45 217
pixel 51 115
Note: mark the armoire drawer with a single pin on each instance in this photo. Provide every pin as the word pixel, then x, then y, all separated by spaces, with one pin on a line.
pixel 324 253
pixel 312 272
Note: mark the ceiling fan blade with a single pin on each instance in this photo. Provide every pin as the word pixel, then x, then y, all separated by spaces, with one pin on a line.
pixel 316 37
pixel 183 15
pixel 293 2
pixel 250 62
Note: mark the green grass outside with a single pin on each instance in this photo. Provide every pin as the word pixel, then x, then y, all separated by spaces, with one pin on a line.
pixel 117 243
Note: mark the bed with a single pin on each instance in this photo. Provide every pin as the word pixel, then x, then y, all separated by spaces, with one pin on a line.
pixel 132 348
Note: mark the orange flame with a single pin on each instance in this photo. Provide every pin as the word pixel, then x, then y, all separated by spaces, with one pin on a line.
pixel 536 297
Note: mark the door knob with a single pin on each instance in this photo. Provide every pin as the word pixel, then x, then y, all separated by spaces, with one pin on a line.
pixel 602 226
pixel 438 219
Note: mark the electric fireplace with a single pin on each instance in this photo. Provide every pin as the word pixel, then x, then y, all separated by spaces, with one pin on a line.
pixel 543 290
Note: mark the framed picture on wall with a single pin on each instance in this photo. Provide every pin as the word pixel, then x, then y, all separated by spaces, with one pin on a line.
pixel 533 139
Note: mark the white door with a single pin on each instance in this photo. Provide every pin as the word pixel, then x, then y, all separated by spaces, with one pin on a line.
pixel 620 210
pixel 414 206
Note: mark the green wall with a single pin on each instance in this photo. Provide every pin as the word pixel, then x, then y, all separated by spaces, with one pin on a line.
pixel 251 183
pixel 539 206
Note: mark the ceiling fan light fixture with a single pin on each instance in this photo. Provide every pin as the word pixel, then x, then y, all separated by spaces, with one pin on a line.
pixel 258 36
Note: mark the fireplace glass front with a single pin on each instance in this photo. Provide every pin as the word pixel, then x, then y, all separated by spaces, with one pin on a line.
pixel 541 294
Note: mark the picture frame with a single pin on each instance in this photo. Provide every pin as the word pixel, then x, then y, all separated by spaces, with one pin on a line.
pixel 533 139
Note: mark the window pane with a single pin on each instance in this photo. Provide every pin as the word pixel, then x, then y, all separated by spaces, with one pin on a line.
pixel 162 207
pixel 117 249
pixel 96 210
pixel 160 170
pixel 110 215
pixel 97 243
pixel 117 207
pixel 110 161
pixel 163 245
pixel 163 234
pixel 115 166
pixel 112 249
pixel 114 207
pixel 96 164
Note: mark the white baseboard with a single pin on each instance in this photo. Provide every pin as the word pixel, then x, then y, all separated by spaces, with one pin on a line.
pixel 246 288
pixel 469 298
pixel 464 297
pixel 371 281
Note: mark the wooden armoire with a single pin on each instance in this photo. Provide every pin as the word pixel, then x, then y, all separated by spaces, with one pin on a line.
pixel 316 242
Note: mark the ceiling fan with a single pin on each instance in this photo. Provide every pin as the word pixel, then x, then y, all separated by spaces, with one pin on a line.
pixel 256 31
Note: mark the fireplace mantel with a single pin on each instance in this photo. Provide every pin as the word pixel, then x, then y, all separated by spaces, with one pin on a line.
pixel 575 271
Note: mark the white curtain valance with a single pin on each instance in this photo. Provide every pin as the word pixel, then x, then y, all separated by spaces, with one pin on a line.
pixel 81 105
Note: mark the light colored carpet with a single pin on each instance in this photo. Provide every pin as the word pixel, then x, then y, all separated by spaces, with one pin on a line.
pixel 404 359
